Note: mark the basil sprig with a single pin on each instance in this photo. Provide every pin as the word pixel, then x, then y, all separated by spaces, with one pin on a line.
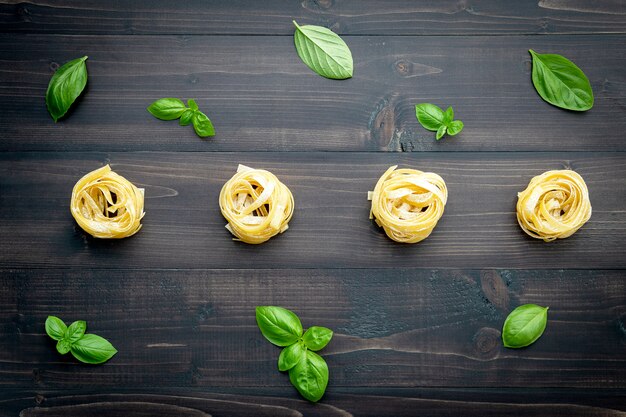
pixel 524 325
pixel 560 82
pixel 433 118
pixel 323 51
pixel 67 83
pixel 173 108
pixel 87 348
pixel 308 371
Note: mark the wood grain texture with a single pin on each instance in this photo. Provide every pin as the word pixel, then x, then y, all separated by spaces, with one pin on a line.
pixel 354 17
pixel 347 403
pixel 183 227
pixel 261 97
pixel 393 328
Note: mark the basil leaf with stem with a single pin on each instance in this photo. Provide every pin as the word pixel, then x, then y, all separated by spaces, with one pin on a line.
pixel 316 337
pixel 440 132
pixel 75 331
pixel 202 125
pixel 63 346
pixel 454 127
pixel 323 51
pixel 431 117
pixel 279 325
pixel 310 376
pixel 93 349
pixel 291 355
pixel 167 108
pixel 55 328
pixel 524 325
pixel 186 117
pixel 560 82
pixel 67 83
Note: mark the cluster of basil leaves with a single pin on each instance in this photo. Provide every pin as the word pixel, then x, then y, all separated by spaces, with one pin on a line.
pixel 173 108
pixel 87 348
pixel 308 371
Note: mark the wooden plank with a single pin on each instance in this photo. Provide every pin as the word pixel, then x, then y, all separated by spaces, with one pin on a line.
pixel 183 227
pixel 261 97
pixel 272 17
pixel 393 327
pixel 264 402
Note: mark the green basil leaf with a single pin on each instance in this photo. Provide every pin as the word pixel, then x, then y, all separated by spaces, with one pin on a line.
pixel 310 376
pixel 202 125
pixel 279 325
pixel 560 82
pixel 75 331
pixel 63 346
pixel 430 116
pixel 167 108
pixel 441 131
pixel 186 117
pixel 67 83
pixel 448 116
pixel 455 127
pixel 290 356
pixel 323 51
pixel 192 104
pixel 55 328
pixel 93 349
pixel 316 338
pixel 524 325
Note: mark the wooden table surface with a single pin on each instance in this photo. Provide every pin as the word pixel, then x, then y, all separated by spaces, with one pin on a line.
pixel 417 327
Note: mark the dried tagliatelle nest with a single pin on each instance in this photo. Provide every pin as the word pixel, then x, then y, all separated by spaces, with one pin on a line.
pixel 408 203
pixel 106 205
pixel 554 205
pixel 256 204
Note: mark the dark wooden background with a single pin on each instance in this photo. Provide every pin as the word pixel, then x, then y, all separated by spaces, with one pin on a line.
pixel 417 327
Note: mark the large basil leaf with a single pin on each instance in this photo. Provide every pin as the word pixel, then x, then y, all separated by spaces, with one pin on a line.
pixel 290 356
pixel 279 325
pixel 431 117
pixel 202 125
pixel 55 328
pixel 560 82
pixel 65 86
pixel 524 325
pixel 323 51
pixel 316 337
pixel 167 108
pixel 93 349
pixel 310 376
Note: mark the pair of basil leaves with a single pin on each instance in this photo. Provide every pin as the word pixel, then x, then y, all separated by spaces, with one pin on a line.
pixel 173 108
pixel 308 371
pixel 87 348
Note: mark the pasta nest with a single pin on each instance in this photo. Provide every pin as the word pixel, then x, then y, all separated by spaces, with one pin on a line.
pixel 256 205
pixel 408 203
pixel 554 205
pixel 107 205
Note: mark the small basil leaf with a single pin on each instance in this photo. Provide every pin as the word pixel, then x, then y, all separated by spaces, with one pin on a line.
pixel 63 346
pixel 279 325
pixel 75 331
pixel 202 125
pixel 455 127
pixel 441 131
pixel 560 82
pixel 323 51
pixel 67 83
pixel 290 356
pixel 448 116
pixel 186 117
pixel 430 116
pixel 310 376
pixel 524 325
pixel 55 328
pixel 192 104
pixel 316 338
pixel 93 349
pixel 167 108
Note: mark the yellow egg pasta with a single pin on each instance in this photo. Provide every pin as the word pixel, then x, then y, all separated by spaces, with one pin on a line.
pixel 554 205
pixel 256 205
pixel 106 205
pixel 408 203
